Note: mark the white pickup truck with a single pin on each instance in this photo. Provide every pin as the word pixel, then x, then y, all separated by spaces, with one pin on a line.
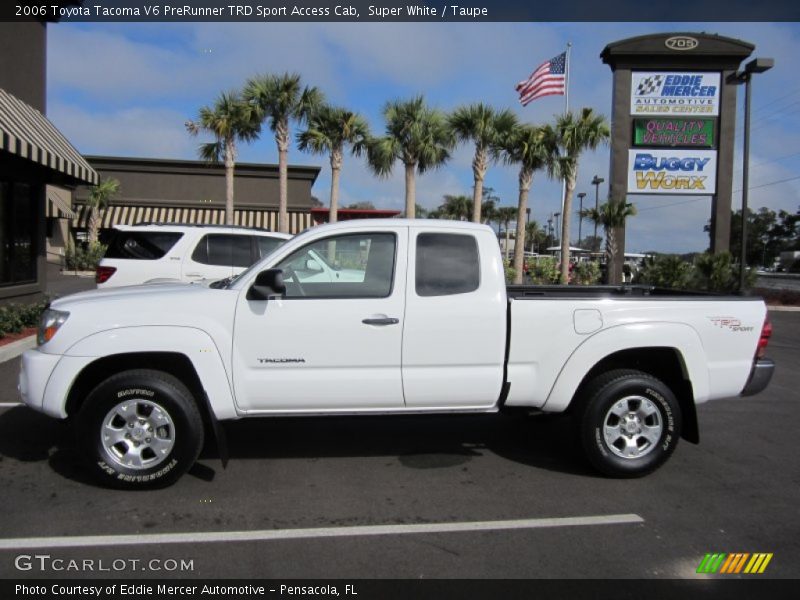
pixel 420 321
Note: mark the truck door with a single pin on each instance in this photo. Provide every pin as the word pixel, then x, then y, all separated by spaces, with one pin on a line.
pixel 333 342
pixel 455 326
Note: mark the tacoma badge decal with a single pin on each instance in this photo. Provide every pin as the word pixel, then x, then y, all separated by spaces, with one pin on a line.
pixel 281 360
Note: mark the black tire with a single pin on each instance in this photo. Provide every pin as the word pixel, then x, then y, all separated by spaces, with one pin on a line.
pixel 145 402
pixel 633 445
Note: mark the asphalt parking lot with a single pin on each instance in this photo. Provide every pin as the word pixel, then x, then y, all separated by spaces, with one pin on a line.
pixel 295 486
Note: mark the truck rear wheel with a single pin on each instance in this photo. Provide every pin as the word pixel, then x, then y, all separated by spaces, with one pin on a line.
pixel 140 429
pixel 629 423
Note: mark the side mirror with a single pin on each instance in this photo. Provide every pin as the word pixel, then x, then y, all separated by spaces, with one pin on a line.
pixel 268 284
pixel 312 265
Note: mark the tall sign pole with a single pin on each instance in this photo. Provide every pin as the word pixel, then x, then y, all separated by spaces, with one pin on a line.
pixel 566 111
pixel 673 124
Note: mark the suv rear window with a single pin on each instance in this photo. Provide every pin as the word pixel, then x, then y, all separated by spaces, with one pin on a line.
pixel 141 245
pixel 267 244
pixel 224 249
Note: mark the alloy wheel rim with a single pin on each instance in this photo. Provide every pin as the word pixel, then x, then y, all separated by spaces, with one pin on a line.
pixel 632 427
pixel 137 434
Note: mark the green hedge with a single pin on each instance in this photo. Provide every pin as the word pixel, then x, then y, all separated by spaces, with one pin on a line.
pixel 84 258
pixel 16 317
pixel 708 272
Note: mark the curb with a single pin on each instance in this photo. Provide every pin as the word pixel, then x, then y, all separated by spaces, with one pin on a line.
pixel 15 349
pixel 784 308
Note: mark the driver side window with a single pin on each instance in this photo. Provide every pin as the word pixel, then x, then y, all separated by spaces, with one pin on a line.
pixel 357 265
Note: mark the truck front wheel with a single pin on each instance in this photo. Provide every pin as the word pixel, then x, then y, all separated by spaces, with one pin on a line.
pixel 629 423
pixel 140 429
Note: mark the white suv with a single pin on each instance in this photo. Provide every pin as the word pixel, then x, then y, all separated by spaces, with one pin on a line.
pixel 152 252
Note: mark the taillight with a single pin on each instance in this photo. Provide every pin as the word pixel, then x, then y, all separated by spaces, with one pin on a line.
pixel 103 274
pixel 766 332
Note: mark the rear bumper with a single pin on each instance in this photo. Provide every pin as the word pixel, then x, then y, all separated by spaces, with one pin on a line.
pixel 760 376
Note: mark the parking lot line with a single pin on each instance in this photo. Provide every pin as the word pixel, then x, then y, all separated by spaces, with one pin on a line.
pixel 315 532
pixel 10 404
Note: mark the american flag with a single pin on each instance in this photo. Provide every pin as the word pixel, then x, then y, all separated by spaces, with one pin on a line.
pixel 547 80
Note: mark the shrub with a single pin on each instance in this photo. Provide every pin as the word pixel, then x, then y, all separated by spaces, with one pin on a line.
pixel 543 271
pixel 667 271
pixel 718 273
pixel 586 273
pixel 510 271
pixel 84 258
pixel 16 317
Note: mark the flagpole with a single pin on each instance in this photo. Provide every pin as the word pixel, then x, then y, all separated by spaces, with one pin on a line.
pixel 566 110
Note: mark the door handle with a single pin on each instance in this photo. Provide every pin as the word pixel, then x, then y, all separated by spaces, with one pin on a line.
pixel 194 274
pixel 381 321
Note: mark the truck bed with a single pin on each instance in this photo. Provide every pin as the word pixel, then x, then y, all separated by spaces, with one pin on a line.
pixel 627 292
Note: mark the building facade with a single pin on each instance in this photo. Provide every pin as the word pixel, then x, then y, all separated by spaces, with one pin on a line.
pixel 34 157
pixel 193 191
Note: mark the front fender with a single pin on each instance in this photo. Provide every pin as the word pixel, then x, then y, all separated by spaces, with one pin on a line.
pixel 195 344
pixel 681 337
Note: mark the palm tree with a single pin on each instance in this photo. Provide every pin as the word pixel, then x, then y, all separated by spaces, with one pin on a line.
pixel 484 126
pixel 99 197
pixel 329 130
pixel 281 99
pixel 533 233
pixel 574 133
pixel 611 215
pixel 457 208
pixel 229 120
pixel 532 149
pixel 417 136
pixel 506 214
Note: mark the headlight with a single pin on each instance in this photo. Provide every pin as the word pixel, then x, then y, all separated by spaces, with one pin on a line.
pixel 50 323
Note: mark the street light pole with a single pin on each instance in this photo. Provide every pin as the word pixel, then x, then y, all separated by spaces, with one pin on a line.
pixel 757 65
pixel 581 196
pixel 596 183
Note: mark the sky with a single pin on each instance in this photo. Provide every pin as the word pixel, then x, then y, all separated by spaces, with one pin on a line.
pixel 126 89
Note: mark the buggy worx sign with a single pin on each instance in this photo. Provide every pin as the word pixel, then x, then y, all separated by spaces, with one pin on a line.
pixel 672 171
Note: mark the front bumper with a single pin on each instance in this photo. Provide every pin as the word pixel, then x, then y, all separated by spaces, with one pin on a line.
pixel 760 376
pixel 35 372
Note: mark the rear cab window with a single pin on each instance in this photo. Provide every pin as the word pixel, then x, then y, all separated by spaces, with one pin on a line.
pixel 141 245
pixel 446 264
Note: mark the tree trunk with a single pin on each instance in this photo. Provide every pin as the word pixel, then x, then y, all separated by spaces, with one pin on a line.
pixel 565 222
pixel 336 169
pixel 479 164
pixel 525 180
pixel 611 253
pixel 229 166
pixel 282 138
pixel 94 218
pixel 411 192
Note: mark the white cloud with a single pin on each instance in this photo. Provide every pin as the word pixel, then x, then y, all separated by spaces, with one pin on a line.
pixel 135 131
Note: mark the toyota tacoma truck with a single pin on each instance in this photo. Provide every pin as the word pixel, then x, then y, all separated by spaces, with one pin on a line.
pixel 386 317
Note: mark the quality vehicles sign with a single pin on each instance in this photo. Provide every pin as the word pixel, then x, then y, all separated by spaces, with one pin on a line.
pixel 687 133
pixel 672 171
pixel 675 93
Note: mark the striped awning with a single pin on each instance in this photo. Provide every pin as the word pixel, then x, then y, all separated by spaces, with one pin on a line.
pixel 58 204
pixel 131 215
pixel 26 132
